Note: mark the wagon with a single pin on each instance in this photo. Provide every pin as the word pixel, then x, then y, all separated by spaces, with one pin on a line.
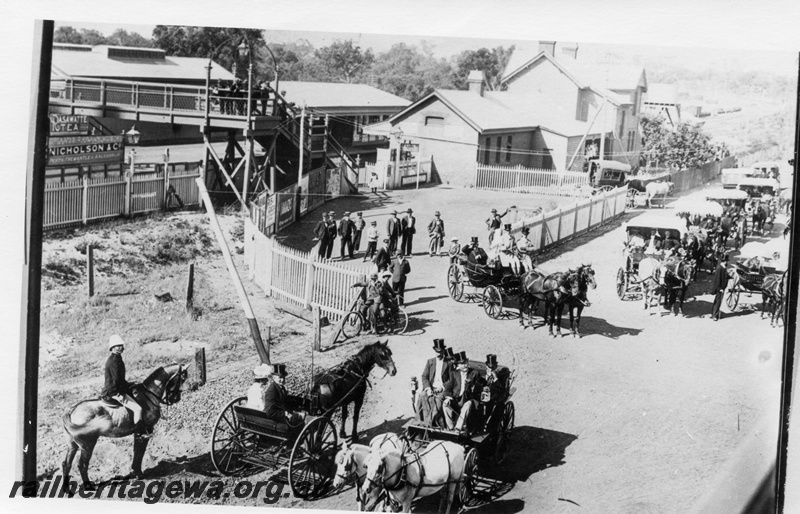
pixel 756 187
pixel 745 280
pixel 488 442
pixel 606 175
pixel 245 440
pixel 637 235
pixel 493 285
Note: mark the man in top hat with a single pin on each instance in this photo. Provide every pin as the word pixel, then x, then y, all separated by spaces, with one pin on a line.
pixel 276 401
pixel 321 235
pixel 407 230
pixel 383 258
pixel 358 227
pixel 332 229
pixel 493 223
pixel 372 241
pixel 400 267
pixel 393 231
pixel 461 391
pixel 345 232
pixel 116 386
pixel 435 374
pixel 436 234
pixel 476 255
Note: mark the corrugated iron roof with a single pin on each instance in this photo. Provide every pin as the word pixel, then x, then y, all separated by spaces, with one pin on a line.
pixel 321 95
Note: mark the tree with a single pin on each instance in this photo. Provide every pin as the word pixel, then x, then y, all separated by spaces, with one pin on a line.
pixel 406 71
pixel 684 147
pixel 121 37
pixel 67 35
pixel 491 62
pixel 345 61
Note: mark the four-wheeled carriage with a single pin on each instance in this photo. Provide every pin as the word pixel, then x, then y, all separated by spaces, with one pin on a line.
pixel 493 285
pixel 245 440
pixel 745 280
pixel 491 425
pixel 637 246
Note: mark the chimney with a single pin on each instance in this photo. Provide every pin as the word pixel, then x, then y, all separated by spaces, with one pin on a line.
pixel 475 80
pixel 548 47
pixel 570 51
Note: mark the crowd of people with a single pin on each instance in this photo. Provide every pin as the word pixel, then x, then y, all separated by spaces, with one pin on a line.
pixel 231 98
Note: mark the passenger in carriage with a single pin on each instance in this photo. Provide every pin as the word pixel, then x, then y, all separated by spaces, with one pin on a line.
pixel 475 253
pixel 672 244
pixel 503 248
pixel 461 393
pixel 656 245
pixel 436 373
pixel 271 396
pixel 526 249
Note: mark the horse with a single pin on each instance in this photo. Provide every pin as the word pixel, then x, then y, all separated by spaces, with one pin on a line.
pixel 89 420
pixel 351 458
pixel 650 280
pixel 759 218
pixel 773 291
pixel 576 300
pixel 406 476
pixel 661 189
pixel 347 382
pixel 535 287
pixel 677 277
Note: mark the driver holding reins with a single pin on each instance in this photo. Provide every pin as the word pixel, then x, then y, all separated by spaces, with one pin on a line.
pixel 116 386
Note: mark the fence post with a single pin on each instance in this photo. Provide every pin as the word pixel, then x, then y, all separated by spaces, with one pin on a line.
pixel 200 364
pixel 591 208
pixel 166 180
pixel 309 278
pixel 90 269
pixel 575 219
pixel 85 201
pixel 543 241
pixel 317 328
pixel 558 232
pixel 128 193
pixel 190 290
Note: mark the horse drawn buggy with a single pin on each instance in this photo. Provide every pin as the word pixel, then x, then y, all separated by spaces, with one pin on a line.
pixel 245 440
pixel 755 272
pixel 469 279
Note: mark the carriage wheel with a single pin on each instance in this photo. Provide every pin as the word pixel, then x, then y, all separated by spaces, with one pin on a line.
pixel 468 478
pixel 504 432
pixel 454 284
pixel 311 464
pixel 622 285
pixel 399 323
pixel 492 302
pixel 352 324
pixel 229 443
pixel 733 299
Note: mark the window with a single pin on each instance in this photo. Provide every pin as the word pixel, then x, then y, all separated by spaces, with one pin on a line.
pixel 434 121
pixel 499 149
pixel 508 149
pixel 488 150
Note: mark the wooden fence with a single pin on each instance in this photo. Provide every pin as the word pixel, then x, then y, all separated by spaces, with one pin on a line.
pixel 526 180
pixel 551 227
pixel 300 278
pixel 81 201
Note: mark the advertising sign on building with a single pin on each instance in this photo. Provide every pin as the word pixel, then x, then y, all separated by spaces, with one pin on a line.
pixel 69 125
pixel 85 150
pixel 285 209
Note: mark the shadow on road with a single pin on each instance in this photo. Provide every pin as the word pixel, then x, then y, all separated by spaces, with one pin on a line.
pixel 417 324
pixel 592 325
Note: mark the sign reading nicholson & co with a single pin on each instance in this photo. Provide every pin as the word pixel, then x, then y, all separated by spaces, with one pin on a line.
pixel 69 125
pixel 85 150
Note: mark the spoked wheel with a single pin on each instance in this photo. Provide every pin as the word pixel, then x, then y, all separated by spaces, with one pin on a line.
pixel 504 433
pixel 454 284
pixel 400 321
pixel 311 464
pixel 733 299
pixel 352 324
pixel 229 443
pixel 492 302
pixel 622 283
pixel 467 484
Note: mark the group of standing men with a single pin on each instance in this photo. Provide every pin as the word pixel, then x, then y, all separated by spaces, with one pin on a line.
pixel 232 97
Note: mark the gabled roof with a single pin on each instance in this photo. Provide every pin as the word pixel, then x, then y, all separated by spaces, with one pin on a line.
pixel 322 95
pixel 662 94
pixel 110 62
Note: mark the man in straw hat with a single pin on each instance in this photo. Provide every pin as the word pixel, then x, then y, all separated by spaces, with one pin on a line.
pixel 461 391
pixel 268 394
pixel 435 374
pixel 372 241
pixel 454 250
pixel 436 234
pixel 493 223
pixel 116 386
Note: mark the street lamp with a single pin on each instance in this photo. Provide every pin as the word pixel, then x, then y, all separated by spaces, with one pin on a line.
pixel 132 136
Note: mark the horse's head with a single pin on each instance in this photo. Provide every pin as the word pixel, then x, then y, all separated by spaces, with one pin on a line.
pixel 344 466
pixel 375 465
pixel 586 277
pixel 165 382
pixel 383 357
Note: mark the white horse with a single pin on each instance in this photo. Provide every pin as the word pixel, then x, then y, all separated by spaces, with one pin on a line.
pixel 405 476
pixel 654 189
pixel 351 458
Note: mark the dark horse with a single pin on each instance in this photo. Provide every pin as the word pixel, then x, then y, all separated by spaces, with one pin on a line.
pixel 537 287
pixel 678 275
pixel 579 283
pixel 347 382
pixel 87 421
pixel 773 294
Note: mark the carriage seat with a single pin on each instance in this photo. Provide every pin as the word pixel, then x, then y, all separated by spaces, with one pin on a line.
pixel 256 421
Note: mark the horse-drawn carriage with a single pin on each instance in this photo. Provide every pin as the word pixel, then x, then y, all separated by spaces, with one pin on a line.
pixel 759 269
pixel 491 424
pixel 245 440
pixel 605 175
pixel 492 284
pixel 757 187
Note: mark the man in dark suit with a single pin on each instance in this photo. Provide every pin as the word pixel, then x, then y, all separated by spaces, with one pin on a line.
pixel 393 231
pixel 718 284
pixel 116 386
pixel 407 230
pixel 345 236
pixel 435 375
pixel 277 404
pixel 383 259
pixel 358 228
pixel 331 226
pixel 399 268
pixel 461 391
pixel 321 234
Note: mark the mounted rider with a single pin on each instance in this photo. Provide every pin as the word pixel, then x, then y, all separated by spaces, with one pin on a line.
pixel 116 386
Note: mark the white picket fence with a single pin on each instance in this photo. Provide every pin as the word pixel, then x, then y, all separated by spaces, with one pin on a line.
pixel 81 201
pixel 548 228
pixel 300 278
pixel 528 180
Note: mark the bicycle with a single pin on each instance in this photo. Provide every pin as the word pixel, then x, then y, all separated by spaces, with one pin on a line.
pixel 391 321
